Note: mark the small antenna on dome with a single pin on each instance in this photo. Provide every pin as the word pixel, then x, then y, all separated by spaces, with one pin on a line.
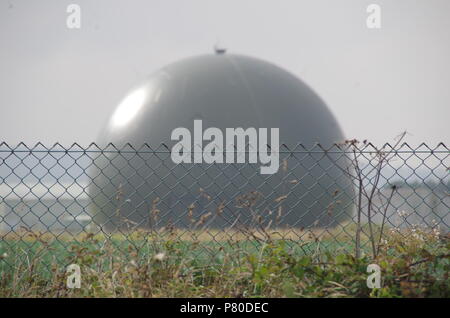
pixel 219 49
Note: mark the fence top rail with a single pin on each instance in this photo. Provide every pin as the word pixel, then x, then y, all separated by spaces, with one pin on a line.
pixel 164 148
pixel 168 152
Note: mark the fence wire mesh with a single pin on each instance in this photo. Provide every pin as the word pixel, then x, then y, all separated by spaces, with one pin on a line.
pixel 52 199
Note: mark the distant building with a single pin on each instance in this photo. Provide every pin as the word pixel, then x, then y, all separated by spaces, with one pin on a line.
pixel 39 211
pixel 412 206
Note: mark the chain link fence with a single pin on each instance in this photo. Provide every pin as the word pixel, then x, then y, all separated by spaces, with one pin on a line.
pixel 52 198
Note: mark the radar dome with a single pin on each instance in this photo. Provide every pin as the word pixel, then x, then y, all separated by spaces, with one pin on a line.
pixel 223 91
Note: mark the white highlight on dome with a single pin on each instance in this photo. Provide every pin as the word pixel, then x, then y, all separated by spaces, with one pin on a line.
pixel 129 107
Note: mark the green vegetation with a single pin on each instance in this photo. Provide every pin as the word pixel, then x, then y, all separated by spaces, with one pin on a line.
pixel 414 263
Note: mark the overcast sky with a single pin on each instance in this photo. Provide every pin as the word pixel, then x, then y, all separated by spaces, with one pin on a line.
pixel 60 84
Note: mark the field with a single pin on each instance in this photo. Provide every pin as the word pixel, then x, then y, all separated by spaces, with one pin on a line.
pixel 172 263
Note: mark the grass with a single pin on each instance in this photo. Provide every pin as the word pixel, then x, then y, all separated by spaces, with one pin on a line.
pixel 171 263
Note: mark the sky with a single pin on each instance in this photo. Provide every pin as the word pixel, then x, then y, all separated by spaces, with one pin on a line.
pixel 61 85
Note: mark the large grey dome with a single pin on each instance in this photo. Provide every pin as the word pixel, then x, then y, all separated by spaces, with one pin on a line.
pixel 223 91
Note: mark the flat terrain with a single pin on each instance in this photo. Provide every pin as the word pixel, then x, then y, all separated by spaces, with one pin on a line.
pixel 220 264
